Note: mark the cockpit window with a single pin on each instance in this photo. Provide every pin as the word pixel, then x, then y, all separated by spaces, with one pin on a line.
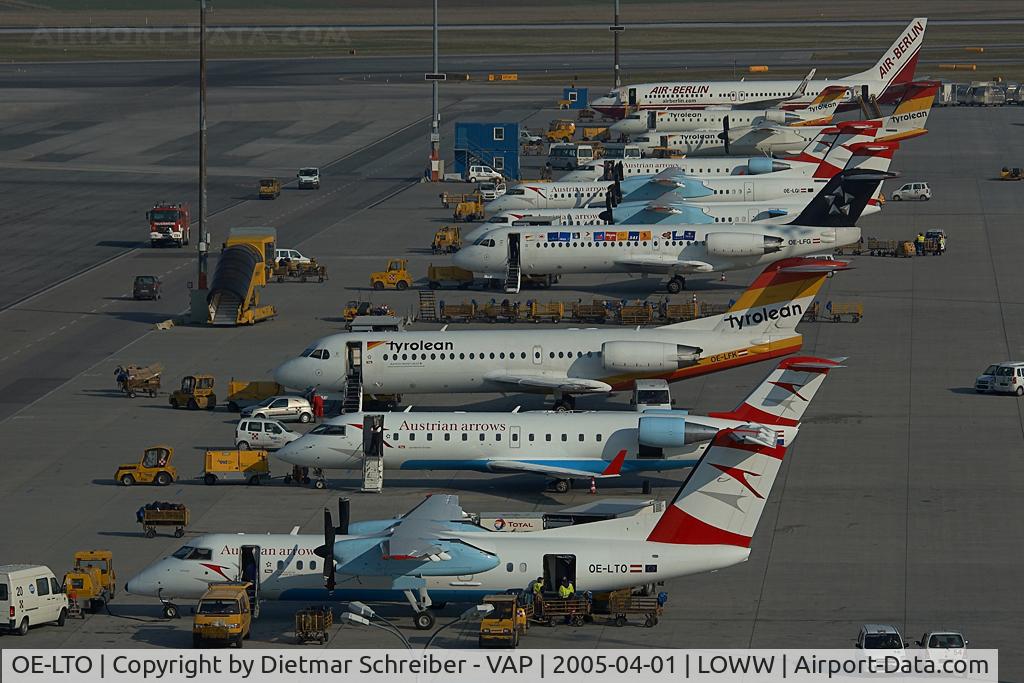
pixel 516 192
pixel 484 241
pixel 329 430
pixel 498 219
pixel 306 353
pixel 322 354
pixel 187 552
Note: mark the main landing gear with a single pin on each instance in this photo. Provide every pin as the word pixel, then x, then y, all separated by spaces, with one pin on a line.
pixel 676 284
pixel 564 403
pixel 422 619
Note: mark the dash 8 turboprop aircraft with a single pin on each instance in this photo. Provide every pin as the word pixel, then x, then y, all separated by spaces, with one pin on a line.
pixel 434 553
pixel 895 67
pixel 558 445
pixel 760 325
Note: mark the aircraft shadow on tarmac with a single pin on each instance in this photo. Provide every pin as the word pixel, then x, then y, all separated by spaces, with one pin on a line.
pixel 968 390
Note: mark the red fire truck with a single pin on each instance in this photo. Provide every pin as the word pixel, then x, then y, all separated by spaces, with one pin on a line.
pixel 169 224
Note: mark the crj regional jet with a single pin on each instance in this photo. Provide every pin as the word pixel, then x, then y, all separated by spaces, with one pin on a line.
pixel 559 445
pixel 434 553
pixel 896 66
pixel 760 325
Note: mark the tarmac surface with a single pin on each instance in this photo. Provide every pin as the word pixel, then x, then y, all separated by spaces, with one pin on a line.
pixel 898 504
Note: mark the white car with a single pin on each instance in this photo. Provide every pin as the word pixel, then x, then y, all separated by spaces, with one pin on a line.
pixel 490 190
pixel 266 434
pixel 943 645
pixel 475 173
pixel 913 191
pixel 528 138
pixel 1001 378
pixel 282 408
pixel 309 177
pixel 878 641
pixel 291 255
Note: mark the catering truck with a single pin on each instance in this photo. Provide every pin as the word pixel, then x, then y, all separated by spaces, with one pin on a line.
pixel 169 224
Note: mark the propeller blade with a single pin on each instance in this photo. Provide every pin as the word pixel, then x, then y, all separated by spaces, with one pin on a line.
pixel 608 170
pixel 326 551
pixel 619 173
pixel 344 516
pixel 725 132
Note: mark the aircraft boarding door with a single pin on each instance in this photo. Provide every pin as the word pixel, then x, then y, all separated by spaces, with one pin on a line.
pixel 752 215
pixel 556 567
pixel 373 453
pixel 249 570
pixel 632 97
pixel 514 439
pixel 748 191
pixel 512 263
pixel 732 96
pixel 353 401
pixel 538 355
pixel 652 120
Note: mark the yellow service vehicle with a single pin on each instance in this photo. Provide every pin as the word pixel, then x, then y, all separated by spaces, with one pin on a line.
pixel 469 209
pixel 91 584
pixel 507 622
pixel 447 240
pixel 243 393
pixel 395 277
pixel 237 465
pixel 596 133
pixel 439 276
pixel 1010 174
pixel 561 130
pixel 196 392
pixel 270 188
pixel 153 468
pixel 223 615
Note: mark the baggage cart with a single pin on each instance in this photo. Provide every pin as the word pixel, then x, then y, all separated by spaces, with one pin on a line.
pixel 464 312
pixel 551 311
pixel 597 311
pixel 640 314
pixel 622 604
pixel 295 271
pixel 573 611
pixel 251 466
pixel 877 247
pixel 176 517
pixel 133 380
pixel 505 311
pixel 833 312
pixel 313 623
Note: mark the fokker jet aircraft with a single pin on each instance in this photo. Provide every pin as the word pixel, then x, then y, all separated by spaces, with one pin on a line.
pixel 434 554
pixel 760 325
pixel 896 66
pixel 559 445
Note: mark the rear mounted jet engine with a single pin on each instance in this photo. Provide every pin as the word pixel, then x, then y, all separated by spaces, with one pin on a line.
pixel 629 356
pixel 759 165
pixel 742 244
pixel 671 431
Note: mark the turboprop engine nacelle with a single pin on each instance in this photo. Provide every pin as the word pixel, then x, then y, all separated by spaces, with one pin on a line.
pixel 628 356
pixel 759 165
pixel 742 244
pixel 672 431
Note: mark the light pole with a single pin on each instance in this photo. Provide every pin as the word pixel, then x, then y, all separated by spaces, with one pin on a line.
pixel 435 117
pixel 359 620
pixel 203 238
pixel 474 613
pixel 616 29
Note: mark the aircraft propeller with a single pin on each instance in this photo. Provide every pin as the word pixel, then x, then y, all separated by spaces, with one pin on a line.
pixel 326 551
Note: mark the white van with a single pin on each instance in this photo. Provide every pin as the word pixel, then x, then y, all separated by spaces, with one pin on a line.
pixel 292 255
pixel 569 156
pixel 268 434
pixel 30 595
pixel 491 190
pixel 476 173
pixel 913 191
pixel 1002 378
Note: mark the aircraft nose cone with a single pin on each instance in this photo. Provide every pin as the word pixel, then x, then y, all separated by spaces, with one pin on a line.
pixel 292 453
pixel 465 258
pixel 143 583
pixel 292 374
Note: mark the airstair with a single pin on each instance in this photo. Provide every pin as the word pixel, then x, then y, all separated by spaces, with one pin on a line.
pixel 373 454
pixel 353 402
pixel 224 309
pixel 428 306
pixel 513 277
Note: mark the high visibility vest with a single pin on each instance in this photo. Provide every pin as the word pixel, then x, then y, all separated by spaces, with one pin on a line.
pixel 565 591
pixel 538 587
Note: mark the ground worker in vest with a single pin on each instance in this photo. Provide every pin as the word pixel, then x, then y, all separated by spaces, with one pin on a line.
pixel 919 244
pixel 565 589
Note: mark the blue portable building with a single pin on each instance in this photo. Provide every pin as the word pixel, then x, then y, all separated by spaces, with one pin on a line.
pixel 493 144
pixel 578 98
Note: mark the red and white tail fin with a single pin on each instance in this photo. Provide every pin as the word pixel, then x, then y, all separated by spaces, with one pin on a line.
pixel 721 502
pixel 897 64
pixel 782 398
pixel 830 148
pixel 909 117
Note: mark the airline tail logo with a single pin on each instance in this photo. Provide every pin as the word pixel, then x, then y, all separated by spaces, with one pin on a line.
pixel 907 44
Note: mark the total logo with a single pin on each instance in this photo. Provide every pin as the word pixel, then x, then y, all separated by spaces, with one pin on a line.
pixel 501 524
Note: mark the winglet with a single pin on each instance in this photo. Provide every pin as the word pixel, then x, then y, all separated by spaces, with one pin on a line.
pixel 615 466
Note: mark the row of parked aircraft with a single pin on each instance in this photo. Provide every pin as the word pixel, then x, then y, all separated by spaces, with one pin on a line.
pixel 671 216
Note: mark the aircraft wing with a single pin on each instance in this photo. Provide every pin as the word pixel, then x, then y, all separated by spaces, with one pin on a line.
pixel 575 385
pixel 417 535
pixel 769 102
pixel 660 263
pixel 611 470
